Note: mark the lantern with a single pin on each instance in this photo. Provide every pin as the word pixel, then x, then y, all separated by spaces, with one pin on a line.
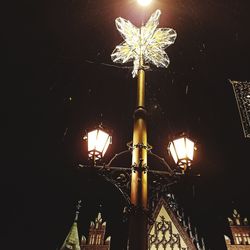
pixel 98 142
pixel 182 151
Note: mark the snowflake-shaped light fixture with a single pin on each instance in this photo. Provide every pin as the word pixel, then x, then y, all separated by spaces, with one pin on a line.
pixel 143 45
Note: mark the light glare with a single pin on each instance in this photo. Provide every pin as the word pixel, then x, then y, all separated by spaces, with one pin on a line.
pixel 92 140
pixel 180 148
pixel 101 140
pixel 98 142
pixel 190 149
pixel 144 2
pixel 173 153
pixel 182 151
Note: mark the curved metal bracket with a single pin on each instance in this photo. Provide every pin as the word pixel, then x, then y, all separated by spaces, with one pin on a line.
pixel 117 176
pixel 117 155
pixel 171 171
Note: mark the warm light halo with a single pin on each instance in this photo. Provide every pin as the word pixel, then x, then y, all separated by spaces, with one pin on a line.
pixel 144 2
pixel 180 148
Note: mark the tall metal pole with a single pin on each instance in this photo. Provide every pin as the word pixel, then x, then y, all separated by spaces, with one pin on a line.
pixel 138 235
pixel 158 39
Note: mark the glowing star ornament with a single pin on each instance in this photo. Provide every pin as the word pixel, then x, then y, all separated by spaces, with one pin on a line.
pixel 143 45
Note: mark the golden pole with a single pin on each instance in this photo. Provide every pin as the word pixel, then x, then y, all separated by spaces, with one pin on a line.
pixel 138 221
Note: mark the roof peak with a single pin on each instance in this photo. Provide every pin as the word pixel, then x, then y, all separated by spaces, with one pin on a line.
pixel 72 239
pixel 237 220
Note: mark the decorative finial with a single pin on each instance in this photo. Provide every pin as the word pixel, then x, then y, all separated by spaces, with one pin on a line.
pixel 78 206
pixel 245 221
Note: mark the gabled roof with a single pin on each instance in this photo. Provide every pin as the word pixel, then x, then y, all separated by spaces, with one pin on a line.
pixel 237 220
pixel 169 229
pixel 72 240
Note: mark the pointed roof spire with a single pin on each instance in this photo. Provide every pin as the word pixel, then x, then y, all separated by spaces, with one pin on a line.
pixel 72 240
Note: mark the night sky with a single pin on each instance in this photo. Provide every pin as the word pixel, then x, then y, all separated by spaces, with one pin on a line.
pixel 58 80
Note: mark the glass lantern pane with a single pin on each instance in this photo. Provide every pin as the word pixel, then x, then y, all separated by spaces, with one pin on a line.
pixel 173 153
pixel 180 148
pixel 101 140
pixel 190 149
pixel 106 145
pixel 92 136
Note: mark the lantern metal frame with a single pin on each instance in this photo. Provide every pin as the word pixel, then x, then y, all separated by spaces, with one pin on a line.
pixel 185 161
pixel 94 154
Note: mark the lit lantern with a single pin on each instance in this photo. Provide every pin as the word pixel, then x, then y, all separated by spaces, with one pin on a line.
pixel 98 142
pixel 182 151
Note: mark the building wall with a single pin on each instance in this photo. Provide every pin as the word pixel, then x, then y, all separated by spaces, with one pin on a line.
pixel 163 213
pixel 238 247
pixel 241 234
pixel 94 247
pixel 96 238
pixel 167 233
pixel 240 231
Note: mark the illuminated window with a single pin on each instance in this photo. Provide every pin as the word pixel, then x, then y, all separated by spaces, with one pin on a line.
pixel 244 238
pixel 238 239
pixel 98 239
pixel 248 238
pixel 92 240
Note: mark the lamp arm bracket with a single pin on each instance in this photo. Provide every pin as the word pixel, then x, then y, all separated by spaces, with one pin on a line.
pixel 116 184
pixel 117 155
pixel 170 169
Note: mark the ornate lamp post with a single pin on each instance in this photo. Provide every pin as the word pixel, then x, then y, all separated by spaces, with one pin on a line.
pixel 141 45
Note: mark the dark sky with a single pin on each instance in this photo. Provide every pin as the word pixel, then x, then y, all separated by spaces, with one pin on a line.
pixel 58 80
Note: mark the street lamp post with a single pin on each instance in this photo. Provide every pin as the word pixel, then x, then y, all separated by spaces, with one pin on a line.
pixel 142 45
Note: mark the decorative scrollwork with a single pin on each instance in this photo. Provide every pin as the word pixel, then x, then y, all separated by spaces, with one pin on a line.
pixel 131 147
pixel 164 236
pixel 120 178
pixel 242 95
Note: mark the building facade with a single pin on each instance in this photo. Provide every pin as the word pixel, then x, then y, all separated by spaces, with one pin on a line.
pixel 240 233
pixel 96 238
pixel 170 231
